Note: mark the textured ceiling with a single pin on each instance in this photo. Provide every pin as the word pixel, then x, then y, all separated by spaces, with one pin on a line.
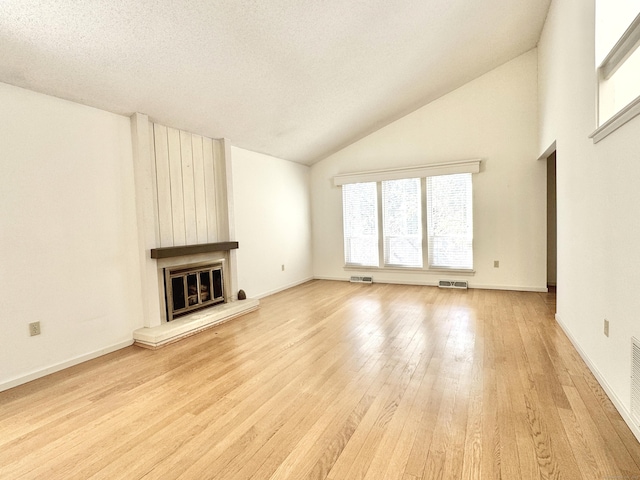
pixel 294 79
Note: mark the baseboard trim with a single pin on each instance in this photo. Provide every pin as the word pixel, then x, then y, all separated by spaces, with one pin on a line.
pixel 515 288
pixel 626 415
pixel 61 366
pixel 434 283
pixel 282 289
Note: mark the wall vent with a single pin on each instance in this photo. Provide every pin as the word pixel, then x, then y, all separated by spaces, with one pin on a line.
pixel 635 380
pixel 361 280
pixel 453 284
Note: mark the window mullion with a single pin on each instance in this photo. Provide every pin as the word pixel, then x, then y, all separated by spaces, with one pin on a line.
pixel 423 223
pixel 380 225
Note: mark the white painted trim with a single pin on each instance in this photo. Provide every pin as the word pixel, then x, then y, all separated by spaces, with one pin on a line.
pixel 437 271
pixel 447 168
pixel 393 282
pixel 230 216
pixel 228 178
pixel 511 288
pixel 61 366
pixel 144 172
pixel 286 287
pixel 550 149
pixel 434 283
pixel 623 48
pixel 619 119
pixel 626 415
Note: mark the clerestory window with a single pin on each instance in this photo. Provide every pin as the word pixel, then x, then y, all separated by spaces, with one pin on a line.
pixel 617 64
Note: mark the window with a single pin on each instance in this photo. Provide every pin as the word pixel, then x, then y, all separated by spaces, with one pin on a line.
pixel 360 217
pixel 401 222
pixel 425 221
pixel 618 64
pixel 450 221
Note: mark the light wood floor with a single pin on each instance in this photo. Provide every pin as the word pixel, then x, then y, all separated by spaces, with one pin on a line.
pixel 332 380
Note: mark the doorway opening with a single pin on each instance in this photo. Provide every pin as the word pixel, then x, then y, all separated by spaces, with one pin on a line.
pixel 552 224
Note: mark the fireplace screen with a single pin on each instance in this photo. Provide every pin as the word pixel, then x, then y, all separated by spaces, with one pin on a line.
pixel 192 287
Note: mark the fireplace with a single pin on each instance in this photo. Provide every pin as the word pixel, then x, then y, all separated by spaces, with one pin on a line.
pixel 193 287
pixel 196 285
pixel 189 267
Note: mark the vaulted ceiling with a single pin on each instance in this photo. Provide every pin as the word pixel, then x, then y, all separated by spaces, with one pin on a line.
pixel 296 79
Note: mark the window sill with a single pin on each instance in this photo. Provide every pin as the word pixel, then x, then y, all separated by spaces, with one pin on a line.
pixel 618 120
pixel 456 271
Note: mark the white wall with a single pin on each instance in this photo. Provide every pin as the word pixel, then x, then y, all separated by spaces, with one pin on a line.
pixel 598 193
pixel 68 241
pixel 272 221
pixel 493 118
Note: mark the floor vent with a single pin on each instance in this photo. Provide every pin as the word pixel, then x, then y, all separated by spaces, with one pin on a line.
pixel 361 280
pixel 635 380
pixel 453 284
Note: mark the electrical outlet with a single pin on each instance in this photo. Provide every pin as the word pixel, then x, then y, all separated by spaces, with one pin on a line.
pixel 606 327
pixel 34 328
pixel 283 268
pixel 496 264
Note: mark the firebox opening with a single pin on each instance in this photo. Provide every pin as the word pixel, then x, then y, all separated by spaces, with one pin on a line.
pixel 193 287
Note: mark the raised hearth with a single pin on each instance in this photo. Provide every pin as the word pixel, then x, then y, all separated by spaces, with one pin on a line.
pixel 169 332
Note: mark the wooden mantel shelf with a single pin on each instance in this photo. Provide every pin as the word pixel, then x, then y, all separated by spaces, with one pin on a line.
pixel 168 252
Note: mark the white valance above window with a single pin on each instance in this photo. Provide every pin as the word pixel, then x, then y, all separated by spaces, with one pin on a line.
pixel 422 171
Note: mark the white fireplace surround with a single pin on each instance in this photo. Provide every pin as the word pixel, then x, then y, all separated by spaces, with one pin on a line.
pixel 184 197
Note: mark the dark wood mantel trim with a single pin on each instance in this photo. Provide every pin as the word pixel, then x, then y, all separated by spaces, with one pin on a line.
pixel 168 252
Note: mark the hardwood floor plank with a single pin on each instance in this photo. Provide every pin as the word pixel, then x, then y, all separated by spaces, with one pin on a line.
pixel 370 430
pixel 445 457
pixel 332 380
pixel 605 429
pixel 420 450
pixel 589 449
pixel 400 433
pixel 337 439
pixel 472 455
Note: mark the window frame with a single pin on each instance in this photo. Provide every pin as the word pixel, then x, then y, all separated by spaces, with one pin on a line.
pixel 377 228
pixel 465 166
pixel 627 45
pixel 421 221
pixel 430 224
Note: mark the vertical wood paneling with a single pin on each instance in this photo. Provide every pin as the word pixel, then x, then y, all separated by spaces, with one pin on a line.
pixel 188 189
pixel 177 197
pixel 228 188
pixel 221 191
pixel 154 189
pixel 163 186
pixel 199 190
pixel 210 190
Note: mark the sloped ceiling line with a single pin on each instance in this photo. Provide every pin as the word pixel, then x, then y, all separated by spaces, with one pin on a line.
pixel 295 80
